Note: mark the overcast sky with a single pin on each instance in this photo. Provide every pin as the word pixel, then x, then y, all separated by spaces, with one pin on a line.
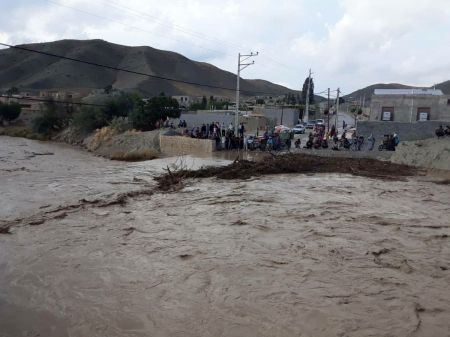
pixel 347 43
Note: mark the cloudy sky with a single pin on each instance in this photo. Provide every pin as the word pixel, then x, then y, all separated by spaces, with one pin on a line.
pixel 347 43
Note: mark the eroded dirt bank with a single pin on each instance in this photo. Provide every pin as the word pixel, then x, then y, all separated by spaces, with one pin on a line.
pixel 281 255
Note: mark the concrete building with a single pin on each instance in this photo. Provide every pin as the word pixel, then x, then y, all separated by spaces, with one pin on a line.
pixel 185 101
pixel 25 101
pixel 409 105
pixel 285 115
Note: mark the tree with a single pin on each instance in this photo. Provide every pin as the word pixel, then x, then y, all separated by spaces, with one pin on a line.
pixel 121 105
pixel 212 102
pixel 291 100
pixel 145 116
pixel 10 112
pixel 108 89
pixel 305 90
pixel 12 91
pixel 89 119
pixel 53 117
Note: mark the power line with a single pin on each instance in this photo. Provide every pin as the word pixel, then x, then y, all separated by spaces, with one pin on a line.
pixel 182 29
pixel 173 26
pixel 135 72
pixel 125 24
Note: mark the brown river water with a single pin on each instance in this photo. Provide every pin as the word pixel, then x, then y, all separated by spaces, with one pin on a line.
pixel 284 255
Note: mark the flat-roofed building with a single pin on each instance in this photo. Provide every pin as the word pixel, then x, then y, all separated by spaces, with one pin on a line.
pixel 409 105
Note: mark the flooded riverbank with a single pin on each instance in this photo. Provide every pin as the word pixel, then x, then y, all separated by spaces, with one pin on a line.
pixel 283 255
pixel 37 175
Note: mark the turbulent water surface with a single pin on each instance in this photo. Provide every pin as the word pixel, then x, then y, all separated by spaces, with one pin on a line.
pixel 284 255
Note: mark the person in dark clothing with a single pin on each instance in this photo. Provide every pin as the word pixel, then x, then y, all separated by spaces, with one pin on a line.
pixel 203 130
pixel 447 130
pixel 391 143
pixel 241 130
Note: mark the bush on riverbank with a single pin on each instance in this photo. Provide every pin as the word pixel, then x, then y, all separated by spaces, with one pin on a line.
pixel 52 119
pixel 89 119
pixel 9 112
pixel 22 132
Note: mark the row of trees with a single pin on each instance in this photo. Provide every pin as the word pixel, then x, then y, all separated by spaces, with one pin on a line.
pixel 211 103
pixel 141 115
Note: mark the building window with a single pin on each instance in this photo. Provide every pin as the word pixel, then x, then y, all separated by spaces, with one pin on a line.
pixel 448 102
pixel 387 114
pixel 423 114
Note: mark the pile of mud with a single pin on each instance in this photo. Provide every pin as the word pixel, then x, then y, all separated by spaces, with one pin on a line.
pixel 292 163
pixel 129 146
pixel 430 153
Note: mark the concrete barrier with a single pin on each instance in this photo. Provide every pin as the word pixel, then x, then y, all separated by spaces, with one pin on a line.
pixel 406 131
pixel 177 145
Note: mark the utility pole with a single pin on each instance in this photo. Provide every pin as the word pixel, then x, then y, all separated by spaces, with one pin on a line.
pixel 241 66
pixel 337 109
pixel 328 107
pixel 307 93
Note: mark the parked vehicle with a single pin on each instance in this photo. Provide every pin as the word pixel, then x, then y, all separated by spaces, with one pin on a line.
pixel 299 129
pixel 310 124
pixel 281 128
pixel 320 121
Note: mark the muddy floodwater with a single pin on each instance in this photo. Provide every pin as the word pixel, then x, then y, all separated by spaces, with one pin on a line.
pixel 283 255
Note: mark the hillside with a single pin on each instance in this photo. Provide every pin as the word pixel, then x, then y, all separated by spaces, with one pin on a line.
pixel 32 71
pixel 367 92
pixel 444 86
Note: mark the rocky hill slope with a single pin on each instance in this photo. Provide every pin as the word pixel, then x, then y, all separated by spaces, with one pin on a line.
pixel 27 70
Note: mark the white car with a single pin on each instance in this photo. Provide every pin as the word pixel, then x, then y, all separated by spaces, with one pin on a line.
pixel 311 124
pixel 320 121
pixel 281 128
pixel 299 128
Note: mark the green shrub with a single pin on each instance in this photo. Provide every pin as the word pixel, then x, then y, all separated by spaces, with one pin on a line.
pixel 53 118
pixel 89 119
pixel 49 122
pixel 22 132
pixel 146 116
pixel 9 112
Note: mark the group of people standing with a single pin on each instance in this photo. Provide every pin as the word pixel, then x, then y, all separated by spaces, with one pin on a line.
pixel 441 132
pixel 319 139
pixel 224 137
